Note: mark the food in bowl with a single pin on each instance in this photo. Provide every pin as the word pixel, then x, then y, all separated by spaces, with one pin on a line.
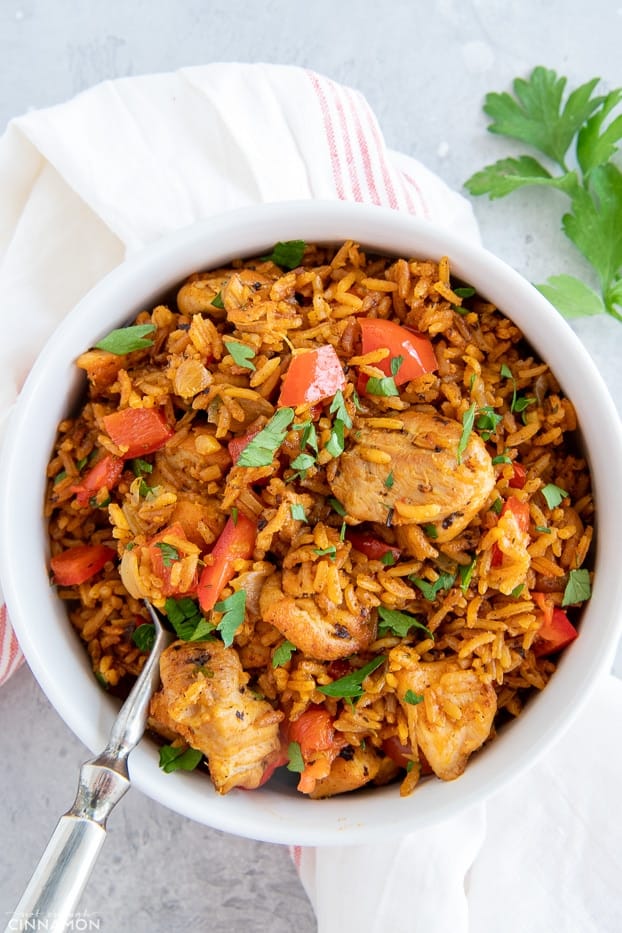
pixel 355 492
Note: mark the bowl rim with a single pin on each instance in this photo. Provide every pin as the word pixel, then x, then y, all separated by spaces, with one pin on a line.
pixel 278 815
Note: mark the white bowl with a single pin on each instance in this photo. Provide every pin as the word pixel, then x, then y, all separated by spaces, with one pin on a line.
pixel 276 813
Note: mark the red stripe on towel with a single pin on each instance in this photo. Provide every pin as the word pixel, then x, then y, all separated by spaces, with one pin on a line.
pixel 330 134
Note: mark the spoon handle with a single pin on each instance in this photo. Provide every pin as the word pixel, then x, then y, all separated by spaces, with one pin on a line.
pixel 64 868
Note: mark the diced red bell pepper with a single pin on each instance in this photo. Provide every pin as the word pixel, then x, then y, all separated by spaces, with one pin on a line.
pixel 521 513
pixel 138 431
pixel 520 476
pixel 313 731
pixel 237 444
pixel 77 564
pixel 106 472
pixel 313 375
pixel 237 541
pixel 415 349
pixel 161 565
pixel 556 630
pixel 372 547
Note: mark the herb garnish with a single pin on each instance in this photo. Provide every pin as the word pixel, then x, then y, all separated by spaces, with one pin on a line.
pixel 553 495
pixel 296 761
pixel 578 588
pixel 217 301
pixel 241 354
pixel 466 572
pixel 393 622
pixel 298 512
pixel 287 254
pixel 173 758
pixel 468 420
pixel 431 530
pixel 487 421
pixel 430 590
pixel 127 339
pixel 308 437
pixel 536 115
pixel 169 553
pixel 261 449
pixel 336 506
pixel 413 698
pixel 351 685
pixel 139 467
pixel 233 609
pixel 283 654
pixel 144 636
pixel 497 506
pixel 187 620
pixel 330 551
pixel 389 481
pixel 385 385
pixel 501 458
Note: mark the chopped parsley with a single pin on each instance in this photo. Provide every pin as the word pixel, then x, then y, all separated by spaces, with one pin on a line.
pixel 308 437
pixel 187 620
pixel 497 506
pixel 553 494
pixel 295 759
pixel 233 609
pixel 297 512
pixel 381 386
pixel 389 481
pixel 466 572
pixel 387 559
pixel 302 463
pixel 169 553
pixel 127 339
pixel 336 506
pixel 351 685
pixel 543 529
pixel 234 515
pixel 338 408
pixel 144 636
pixel 283 654
pixel 487 421
pixel 517 590
pixel 330 551
pixel 468 420
pixel 413 698
pixel 578 588
pixel 287 254
pixel 431 530
pixel 464 291
pixel 139 467
pixel 261 449
pixel 217 301
pixel 430 590
pixel 393 622
pixel 501 458
pixel 336 442
pixel 241 354
pixel 173 758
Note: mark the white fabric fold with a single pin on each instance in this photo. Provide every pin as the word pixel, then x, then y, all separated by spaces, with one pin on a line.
pixel 90 181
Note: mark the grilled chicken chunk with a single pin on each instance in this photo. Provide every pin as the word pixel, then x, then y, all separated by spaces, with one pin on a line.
pixel 205 700
pixel 317 633
pixel 453 719
pixel 348 772
pixel 427 478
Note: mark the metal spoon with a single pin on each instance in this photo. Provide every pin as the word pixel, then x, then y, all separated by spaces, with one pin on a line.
pixel 64 868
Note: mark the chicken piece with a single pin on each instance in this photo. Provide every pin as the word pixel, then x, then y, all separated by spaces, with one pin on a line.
pixel 427 478
pixel 101 367
pixel 351 769
pixel 205 700
pixel 454 718
pixel 322 635
pixel 188 466
pixel 200 517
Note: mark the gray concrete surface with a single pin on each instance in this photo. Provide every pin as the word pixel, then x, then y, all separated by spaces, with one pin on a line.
pixel 424 67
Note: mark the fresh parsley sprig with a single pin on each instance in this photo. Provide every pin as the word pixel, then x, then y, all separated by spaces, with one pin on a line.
pixel 127 339
pixel 586 125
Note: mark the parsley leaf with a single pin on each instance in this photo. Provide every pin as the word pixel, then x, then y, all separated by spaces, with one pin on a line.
pixel 487 421
pixel 431 530
pixel 217 301
pixel 553 495
pixel 330 551
pixel 308 437
pixel 336 506
pixel 287 254
pixel 393 622
pixel 261 449
pixel 336 442
pixel 186 619
pixel 468 420
pixel 169 553
pixel 338 408
pixel 578 588
pixel 351 685
pixel 298 512
pixel 382 386
pixel 466 572
pixel 296 761
pixel 390 480
pixel 586 127
pixel 127 339
pixel 173 758
pixel 413 698
pixel 283 653
pixel 139 467
pixel 241 354
pixel 233 609
pixel 144 636
pixel 430 590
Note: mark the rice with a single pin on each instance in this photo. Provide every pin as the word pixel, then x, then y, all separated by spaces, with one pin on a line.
pixel 469 593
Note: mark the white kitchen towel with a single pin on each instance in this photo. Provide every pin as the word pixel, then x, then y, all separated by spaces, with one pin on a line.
pixel 84 184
